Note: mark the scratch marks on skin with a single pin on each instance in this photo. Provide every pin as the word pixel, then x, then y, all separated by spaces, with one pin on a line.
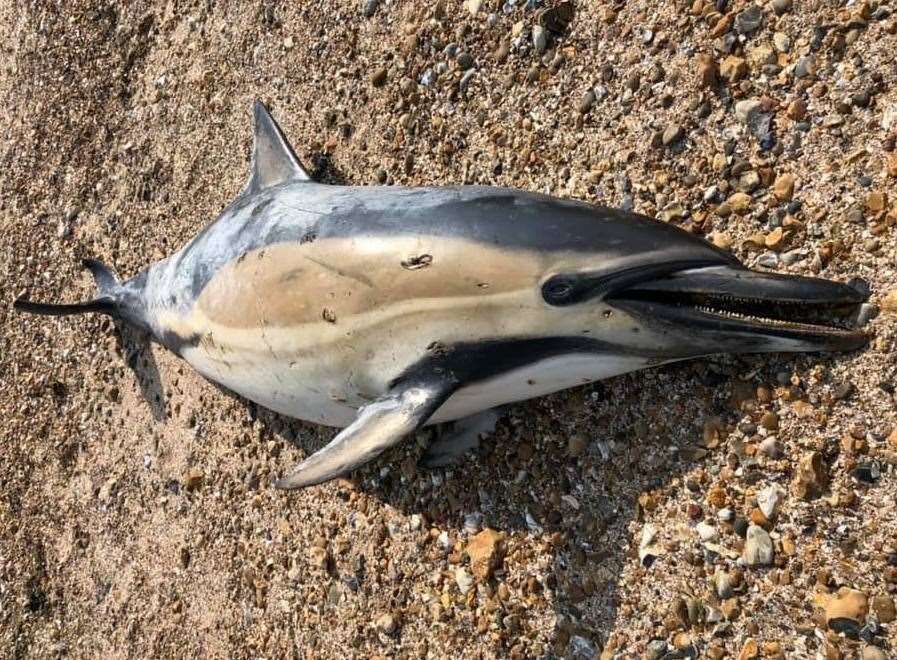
pixel 417 262
pixel 361 279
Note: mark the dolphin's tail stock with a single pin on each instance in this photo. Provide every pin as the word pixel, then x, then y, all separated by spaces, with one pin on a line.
pixel 106 302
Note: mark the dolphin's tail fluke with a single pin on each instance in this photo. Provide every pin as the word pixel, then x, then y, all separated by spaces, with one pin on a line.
pixel 105 303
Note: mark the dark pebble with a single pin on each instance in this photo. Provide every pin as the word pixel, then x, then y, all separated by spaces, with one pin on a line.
pixel 867 472
pixel 740 526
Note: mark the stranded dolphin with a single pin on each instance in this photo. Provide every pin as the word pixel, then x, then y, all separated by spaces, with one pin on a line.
pixel 382 309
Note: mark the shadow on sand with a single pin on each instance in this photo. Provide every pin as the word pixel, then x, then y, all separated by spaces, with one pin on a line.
pixel 567 469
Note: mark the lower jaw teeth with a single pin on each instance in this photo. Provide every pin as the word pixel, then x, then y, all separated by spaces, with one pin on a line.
pixel 768 321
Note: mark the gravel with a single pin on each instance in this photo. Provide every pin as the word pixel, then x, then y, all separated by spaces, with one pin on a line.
pixel 137 516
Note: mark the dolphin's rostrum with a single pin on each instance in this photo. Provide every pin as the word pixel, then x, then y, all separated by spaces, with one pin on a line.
pixel 382 309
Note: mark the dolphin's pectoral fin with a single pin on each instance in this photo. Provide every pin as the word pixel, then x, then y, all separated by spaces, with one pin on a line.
pixel 464 436
pixel 273 159
pixel 379 425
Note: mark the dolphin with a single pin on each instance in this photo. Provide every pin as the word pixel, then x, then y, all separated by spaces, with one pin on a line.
pixel 379 310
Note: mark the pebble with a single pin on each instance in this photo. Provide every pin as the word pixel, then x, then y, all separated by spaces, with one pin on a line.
pixel 486 552
pixel 770 447
pixel 672 134
pixel 782 42
pixel 796 110
pixel 769 500
pixel 464 580
pixel 473 522
pixel 586 102
pixel 749 21
pixel 473 6
pixel 783 188
pixel 873 653
pixel 732 69
pixel 193 479
pixel 745 110
pixel 723 584
pixel 386 623
pixel 889 302
pixel 805 67
pixel 758 549
pixel 707 70
pixel 540 38
pixel 706 532
pixel 781 6
pixel 811 478
pixel 465 60
pixel 883 608
pixel 739 202
pixel 577 444
pixel 378 78
pixel 582 648
pixel 369 7
pixel 649 549
pixel 846 611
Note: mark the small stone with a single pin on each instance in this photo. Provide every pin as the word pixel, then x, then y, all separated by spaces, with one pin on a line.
pixel 288 43
pixel 750 650
pixel 464 580
pixel 770 447
pixel 873 653
pixel 782 42
pixel 783 188
pixel 846 611
pixel 473 6
pixel 781 6
pixel 723 584
pixel 811 478
pixel 193 479
pixel 805 67
pixel 369 8
pixel 577 444
pixel 775 239
pixel 889 302
pixel 749 21
pixel 502 51
pixel 706 532
pixel 745 110
pixel 586 102
pixel 672 134
pixel 486 551
pixel 758 549
pixel 796 110
pixel 386 623
pixel 748 182
pixel 582 648
pixel 732 69
pixel 540 38
pixel 378 78
pixel 739 202
pixel 707 71
pixel 883 608
pixel 769 500
pixel 876 202
pixel 318 556
pixel 465 60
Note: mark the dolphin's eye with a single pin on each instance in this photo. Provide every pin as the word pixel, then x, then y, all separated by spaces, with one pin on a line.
pixel 558 290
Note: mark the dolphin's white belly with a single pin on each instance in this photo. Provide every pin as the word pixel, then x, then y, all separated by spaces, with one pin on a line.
pixel 310 391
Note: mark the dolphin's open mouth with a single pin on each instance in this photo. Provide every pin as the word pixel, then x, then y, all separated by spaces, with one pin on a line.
pixel 736 301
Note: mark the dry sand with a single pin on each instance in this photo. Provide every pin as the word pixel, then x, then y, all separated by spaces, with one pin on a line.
pixel 136 516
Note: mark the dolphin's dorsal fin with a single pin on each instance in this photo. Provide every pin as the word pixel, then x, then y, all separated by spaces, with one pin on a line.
pixel 273 159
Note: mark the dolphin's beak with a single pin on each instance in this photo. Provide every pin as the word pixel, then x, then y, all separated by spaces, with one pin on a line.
pixel 742 310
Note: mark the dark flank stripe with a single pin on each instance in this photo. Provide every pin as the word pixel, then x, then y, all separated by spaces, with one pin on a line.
pixel 497 217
